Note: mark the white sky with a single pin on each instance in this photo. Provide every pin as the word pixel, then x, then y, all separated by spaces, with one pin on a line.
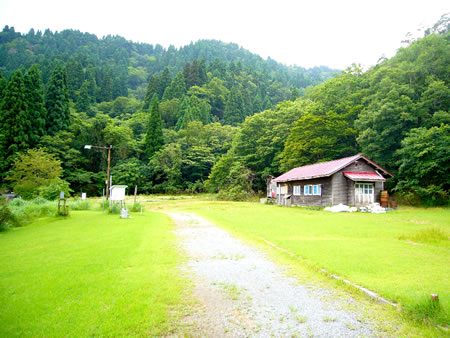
pixel 306 33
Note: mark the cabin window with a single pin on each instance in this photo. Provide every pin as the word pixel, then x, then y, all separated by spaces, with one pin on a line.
pixel 313 189
pixel 282 189
pixel 364 193
pixel 297 190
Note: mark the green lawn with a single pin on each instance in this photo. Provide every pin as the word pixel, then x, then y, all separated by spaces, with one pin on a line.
pixel 388 253
pixel 90 274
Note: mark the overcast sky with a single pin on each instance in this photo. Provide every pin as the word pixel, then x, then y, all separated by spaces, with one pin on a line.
pixel 335 33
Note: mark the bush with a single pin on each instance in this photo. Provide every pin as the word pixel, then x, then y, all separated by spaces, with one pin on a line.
pixel 427 311
pixel 51 191
pixel 24 211
pixel 113 209
pixel 26 190
pixel 136 207
pixel 196 187
pixel 234 193
pixel 7 219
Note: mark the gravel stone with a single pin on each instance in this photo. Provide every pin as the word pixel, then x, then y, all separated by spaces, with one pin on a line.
pixel 244 294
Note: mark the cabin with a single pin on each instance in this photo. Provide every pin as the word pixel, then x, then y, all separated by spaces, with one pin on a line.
pixel 354 180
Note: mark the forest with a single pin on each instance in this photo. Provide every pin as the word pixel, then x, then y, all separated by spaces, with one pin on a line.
pixel 212 116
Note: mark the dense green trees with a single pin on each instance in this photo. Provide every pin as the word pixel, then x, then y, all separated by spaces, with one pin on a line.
pixel 396 113
pixel 214 116
pixel 34 172
pixel 154 137
pixel 424 164
pixel 57 101
pixel 34 100
pixel 16 131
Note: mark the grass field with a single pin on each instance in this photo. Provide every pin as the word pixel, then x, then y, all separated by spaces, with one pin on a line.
pixel 402 255
pixel 97 274
pixel 91 274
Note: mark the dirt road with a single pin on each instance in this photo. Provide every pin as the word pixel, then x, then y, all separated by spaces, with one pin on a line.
pixel 243 294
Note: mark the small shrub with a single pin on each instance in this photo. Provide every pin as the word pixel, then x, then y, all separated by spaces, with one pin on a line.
pixel 427 311
pixel 26 190
pixel 136 207
pixel 24 211
pixel 195 188
pixel 234 193
pixel 113 209
pixel 51 191
pixel 430 235
pixel 7 219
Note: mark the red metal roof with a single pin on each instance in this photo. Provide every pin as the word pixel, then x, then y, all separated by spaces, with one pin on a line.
pixel 364 176
pixel 323 169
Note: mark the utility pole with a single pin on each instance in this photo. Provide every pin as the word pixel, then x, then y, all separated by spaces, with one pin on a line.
pixel 109 163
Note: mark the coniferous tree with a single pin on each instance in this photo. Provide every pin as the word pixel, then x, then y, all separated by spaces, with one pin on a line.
pixel 154 137
pixel 202 71
pixel 177 88
pixel 152 89
pixel 184 113
pixel 234 108
pixel 187 74
pixel 84 100
pixel 75 76
pixel 57 102
pixel 119 87
pixel 34 99
pixel 267 103
pixel 15 126
pixel 257 104
pixel 90 77
pixel 164 82
pixel 107 87
pixel 3 84
pixel 295 93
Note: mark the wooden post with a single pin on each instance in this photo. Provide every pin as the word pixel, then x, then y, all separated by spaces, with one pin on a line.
pixel 135 193
pixel 107 174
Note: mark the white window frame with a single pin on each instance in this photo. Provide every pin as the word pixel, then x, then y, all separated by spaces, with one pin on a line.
pixel 284 189
pixel 313 190
pixel 297 190
pixel 364 192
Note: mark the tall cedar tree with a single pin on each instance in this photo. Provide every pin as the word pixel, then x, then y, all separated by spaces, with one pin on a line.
pixel 152 89
pixel 107 87
pixel 164 82
pixel 234 108
pixel 84 100
pixel 57 102
pixel 15 125
pixel 34 98
pixel 176 89
pixel 3 83
pixel 154 137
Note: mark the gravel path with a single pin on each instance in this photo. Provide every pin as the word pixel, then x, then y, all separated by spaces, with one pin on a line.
pixel 244 294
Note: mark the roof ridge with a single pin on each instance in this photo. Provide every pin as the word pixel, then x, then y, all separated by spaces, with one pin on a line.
pixel 339 159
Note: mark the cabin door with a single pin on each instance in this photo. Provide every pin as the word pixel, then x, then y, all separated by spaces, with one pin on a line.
pixel 364 193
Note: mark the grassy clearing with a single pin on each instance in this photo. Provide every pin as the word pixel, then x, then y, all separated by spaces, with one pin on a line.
pixel 363 248
pixel 90 274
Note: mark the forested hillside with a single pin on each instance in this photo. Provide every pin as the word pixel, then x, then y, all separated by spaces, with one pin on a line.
pixel 122 68
pixel 212 116
pixel 396 113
